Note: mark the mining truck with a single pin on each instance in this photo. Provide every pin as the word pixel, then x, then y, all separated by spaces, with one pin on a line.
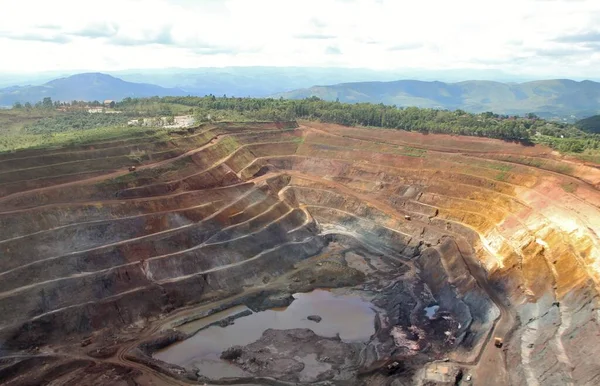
pixel 393 367
pixel 498 342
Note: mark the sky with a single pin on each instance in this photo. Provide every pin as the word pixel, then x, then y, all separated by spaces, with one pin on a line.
pixel 528 37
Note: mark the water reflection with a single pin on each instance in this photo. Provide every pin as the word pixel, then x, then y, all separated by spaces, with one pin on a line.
pixel 349 316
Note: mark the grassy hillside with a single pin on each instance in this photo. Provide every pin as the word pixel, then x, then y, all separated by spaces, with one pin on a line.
pixel 590 125
pixel 548 97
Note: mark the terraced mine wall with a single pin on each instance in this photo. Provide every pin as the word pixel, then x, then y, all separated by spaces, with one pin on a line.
pixel 501 238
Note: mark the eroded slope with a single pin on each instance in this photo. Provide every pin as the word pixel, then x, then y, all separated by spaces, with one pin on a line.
pixel 501 237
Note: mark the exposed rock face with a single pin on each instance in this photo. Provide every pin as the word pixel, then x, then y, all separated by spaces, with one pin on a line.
pixel 314 318
pixel 502 237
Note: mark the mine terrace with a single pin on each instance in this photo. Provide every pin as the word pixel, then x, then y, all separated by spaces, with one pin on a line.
pixel 283 253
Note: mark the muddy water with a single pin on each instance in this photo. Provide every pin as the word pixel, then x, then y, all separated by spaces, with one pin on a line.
pixel 192 327
pixel 349 316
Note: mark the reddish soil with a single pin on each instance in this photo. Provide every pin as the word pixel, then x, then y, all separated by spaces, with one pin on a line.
pixel 96 259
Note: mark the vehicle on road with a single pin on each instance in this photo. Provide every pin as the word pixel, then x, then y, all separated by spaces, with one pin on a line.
pixel 498 342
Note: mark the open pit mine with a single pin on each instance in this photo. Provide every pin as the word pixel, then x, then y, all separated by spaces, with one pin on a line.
pixel 298 253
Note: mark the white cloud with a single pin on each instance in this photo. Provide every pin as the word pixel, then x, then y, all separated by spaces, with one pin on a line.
pixel 534 37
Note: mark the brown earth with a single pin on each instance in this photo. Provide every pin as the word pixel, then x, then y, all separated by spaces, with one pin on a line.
pixel 97 262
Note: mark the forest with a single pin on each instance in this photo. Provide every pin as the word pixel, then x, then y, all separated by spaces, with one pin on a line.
pixel 528 129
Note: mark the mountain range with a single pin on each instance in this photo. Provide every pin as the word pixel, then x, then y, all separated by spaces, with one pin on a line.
pixel 261 81
pixel 547 98
pixel 87 87
pixel 264 80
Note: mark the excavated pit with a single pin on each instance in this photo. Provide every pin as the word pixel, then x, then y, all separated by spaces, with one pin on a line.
pixel 326 314
pixel 205 264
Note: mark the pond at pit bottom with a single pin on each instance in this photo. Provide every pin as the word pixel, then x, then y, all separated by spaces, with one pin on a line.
pixel 349 316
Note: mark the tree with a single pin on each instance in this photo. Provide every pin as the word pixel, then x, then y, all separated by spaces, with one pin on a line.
pixel 47 103
pixel 17 105
pixel 28 105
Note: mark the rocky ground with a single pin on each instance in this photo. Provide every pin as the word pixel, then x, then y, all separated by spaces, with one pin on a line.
pixel 295 355
pixel 99 266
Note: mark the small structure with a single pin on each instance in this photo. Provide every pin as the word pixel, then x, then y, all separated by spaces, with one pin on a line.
pixel 95 110
pixel 498 342
pixel 407 217
pixel 109 104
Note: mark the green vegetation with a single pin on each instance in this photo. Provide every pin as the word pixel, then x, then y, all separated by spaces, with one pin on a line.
pixel 577 144
pixel 153 107
pixel 474 162
pixel 501 167
pixel 362 114
pixel 539 163
pixel 414 152
pixel 77 137
pixel 76 120
pixel 502 176
pixel 563 137
pixel 589 125
pixel 546 98
pixel 44 125
pixel 12 121
pixel 376 147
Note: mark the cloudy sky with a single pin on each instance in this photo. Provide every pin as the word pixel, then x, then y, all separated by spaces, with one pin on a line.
pixel 533 37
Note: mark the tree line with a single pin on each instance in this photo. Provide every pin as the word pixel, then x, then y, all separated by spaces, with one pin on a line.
pixel 423 120
pixel 47 104
pixel 525 129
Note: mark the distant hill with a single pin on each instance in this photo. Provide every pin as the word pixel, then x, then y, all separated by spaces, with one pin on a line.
pixel 88 87
pixel 263 81
pixel 562 98
pixel 546 98
pixel 590 124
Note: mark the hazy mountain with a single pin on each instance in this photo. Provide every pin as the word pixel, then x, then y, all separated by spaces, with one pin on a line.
pixel 12 79
pixel 546 97
pixel 264 81
pixel 251 81
pixel 89 86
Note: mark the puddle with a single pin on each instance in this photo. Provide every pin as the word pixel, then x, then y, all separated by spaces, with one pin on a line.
pixel 431 311
pixel 349 316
